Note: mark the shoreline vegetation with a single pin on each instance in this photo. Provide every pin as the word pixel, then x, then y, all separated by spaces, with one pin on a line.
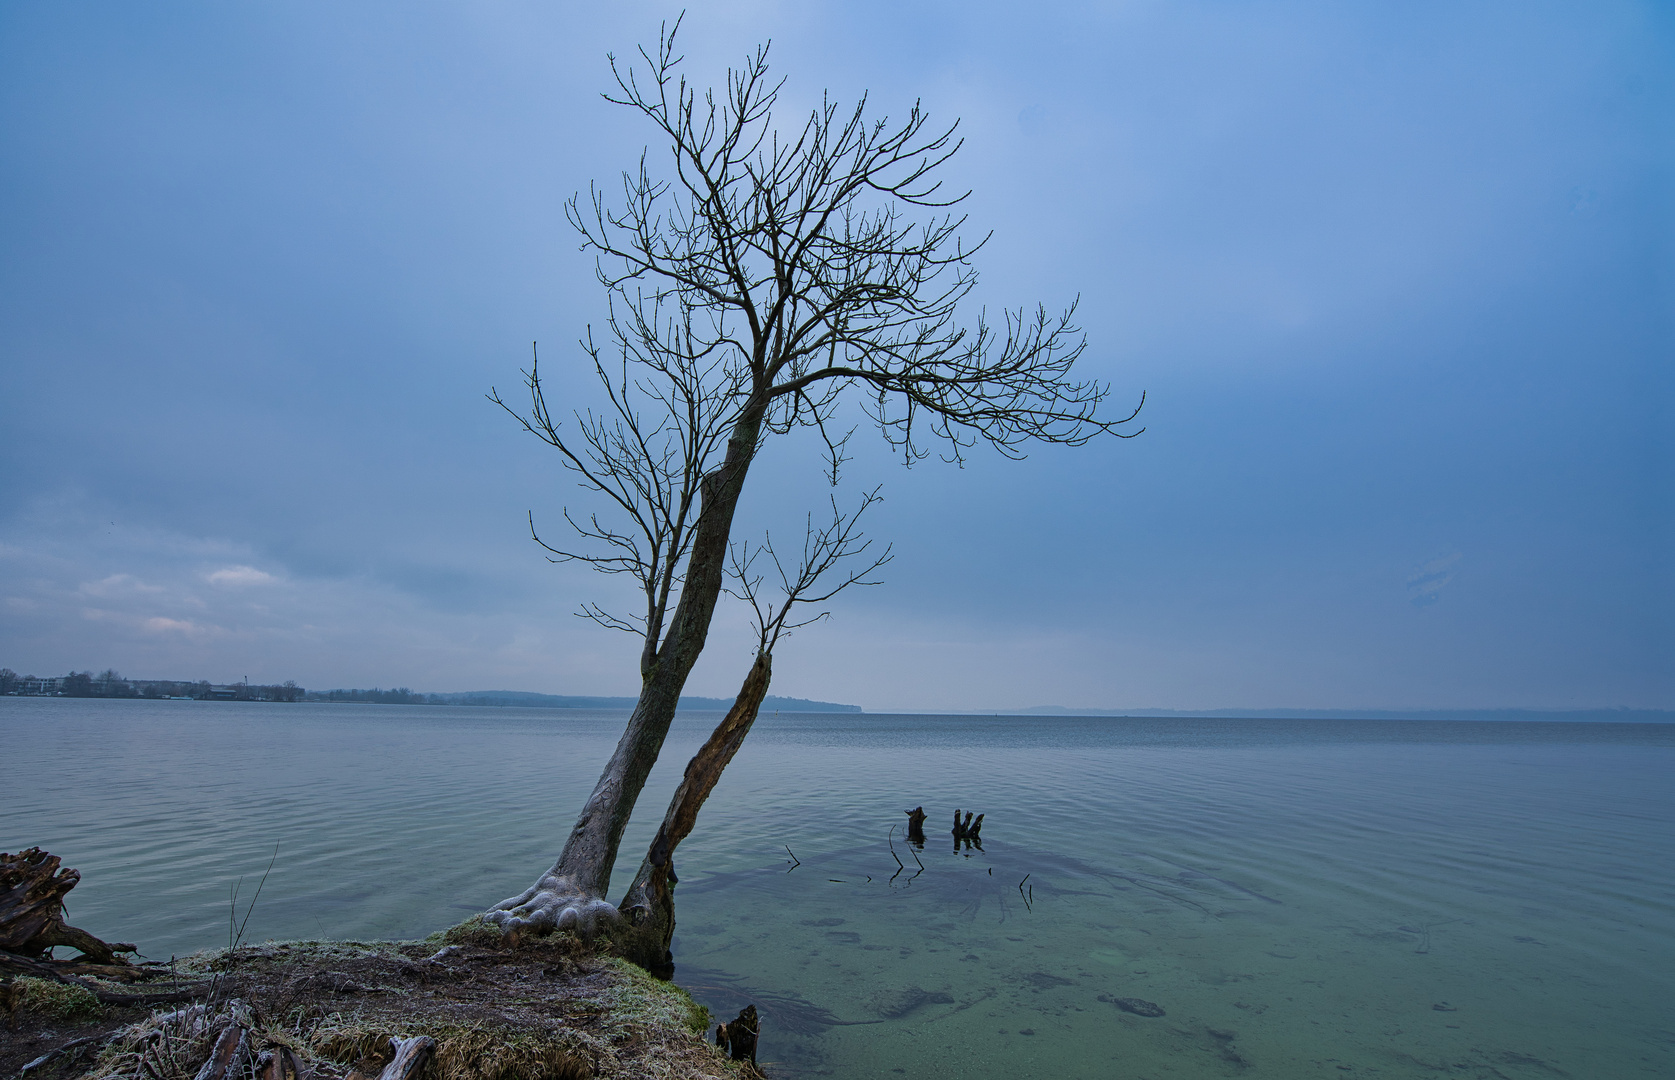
pixel 552 1008
pixel 466 1003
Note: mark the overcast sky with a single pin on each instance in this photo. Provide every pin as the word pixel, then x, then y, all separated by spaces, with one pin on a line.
pixel 1396 280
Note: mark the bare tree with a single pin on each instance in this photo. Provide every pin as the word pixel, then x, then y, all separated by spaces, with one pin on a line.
pixel 750 285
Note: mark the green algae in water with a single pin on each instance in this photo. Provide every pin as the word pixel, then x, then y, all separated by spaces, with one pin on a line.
pixel 1061 985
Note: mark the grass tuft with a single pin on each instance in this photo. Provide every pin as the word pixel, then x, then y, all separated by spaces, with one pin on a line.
pixel 61 1001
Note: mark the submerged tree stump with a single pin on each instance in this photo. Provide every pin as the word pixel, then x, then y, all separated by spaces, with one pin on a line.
pixel 968 831
pixel 738 1038
pixel 32 889
pixel 916 824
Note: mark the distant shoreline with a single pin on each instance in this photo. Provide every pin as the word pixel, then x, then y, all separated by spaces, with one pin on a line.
pixel 800 705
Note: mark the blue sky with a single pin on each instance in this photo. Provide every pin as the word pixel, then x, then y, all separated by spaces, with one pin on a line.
pixel 1396 280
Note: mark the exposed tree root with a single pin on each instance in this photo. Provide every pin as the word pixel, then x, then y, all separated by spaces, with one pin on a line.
pixel 554 902
pixel 32 889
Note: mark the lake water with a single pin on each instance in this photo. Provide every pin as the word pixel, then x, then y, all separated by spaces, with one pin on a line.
pixel 1301 898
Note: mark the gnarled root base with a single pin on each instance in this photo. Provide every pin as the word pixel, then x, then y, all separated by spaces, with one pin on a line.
pixel 642 926
pixel 32 889
pixel 552 903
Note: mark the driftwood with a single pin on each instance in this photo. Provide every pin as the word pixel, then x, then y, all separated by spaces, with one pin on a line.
pixel 916 824
pixel 66 971
pixel 738 1038
pixel 411 1056
pixel 32 889
pixel 230 1056
pixel 280 1063
pixel 970 831
pixel 75 1048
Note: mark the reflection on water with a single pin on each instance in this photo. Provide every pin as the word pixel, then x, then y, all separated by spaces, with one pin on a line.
pixel 1149 898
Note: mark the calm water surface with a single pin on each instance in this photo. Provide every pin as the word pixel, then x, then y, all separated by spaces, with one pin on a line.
pixel 1302 898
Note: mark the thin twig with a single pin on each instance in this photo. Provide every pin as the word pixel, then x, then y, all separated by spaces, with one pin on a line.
pixel 237 941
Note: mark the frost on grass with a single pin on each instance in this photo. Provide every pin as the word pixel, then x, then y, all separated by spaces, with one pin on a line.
pixel 553 1009
pixel 55 1000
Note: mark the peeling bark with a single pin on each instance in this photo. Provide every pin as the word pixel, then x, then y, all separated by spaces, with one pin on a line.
pixel 649 906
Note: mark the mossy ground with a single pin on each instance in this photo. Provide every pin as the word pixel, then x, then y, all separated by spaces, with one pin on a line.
pixel 550 1009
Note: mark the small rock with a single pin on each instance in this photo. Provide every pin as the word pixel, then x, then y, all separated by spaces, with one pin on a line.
pixel 895 1004
pixel 1138 1006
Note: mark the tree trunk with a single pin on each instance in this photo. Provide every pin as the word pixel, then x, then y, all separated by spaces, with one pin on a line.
pixel 649 904
pixel 572 894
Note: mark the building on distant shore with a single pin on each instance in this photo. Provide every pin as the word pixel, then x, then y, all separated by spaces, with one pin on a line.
pixel 111 685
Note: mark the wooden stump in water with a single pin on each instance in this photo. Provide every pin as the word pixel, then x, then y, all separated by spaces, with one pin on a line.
pixel 916 824
pixel 739 1037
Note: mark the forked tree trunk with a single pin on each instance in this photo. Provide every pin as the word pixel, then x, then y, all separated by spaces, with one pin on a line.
pixel 649 904
pixel 572 893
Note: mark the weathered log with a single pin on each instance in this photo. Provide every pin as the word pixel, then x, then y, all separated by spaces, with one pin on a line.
pixel 65 971
pixel 411 1056
pixel 232 1052
pixel 916 824
pixel 32 889
pixel 43 968
pixel 280 1063
pixel 75 1047
pixel 159 997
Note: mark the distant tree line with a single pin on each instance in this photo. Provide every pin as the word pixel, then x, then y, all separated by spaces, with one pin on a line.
pixel 110 684
pixel 399 696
